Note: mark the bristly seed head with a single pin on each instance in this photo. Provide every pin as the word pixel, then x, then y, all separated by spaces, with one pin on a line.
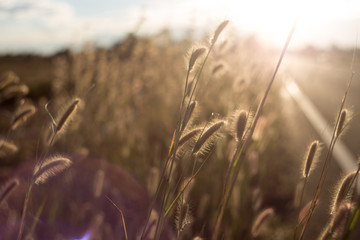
pixel 341 124
pixel 338 221
pixel 188 114
pixel 7 148
pixel 217 69
pixel 66 116
pixel 194 56
pixel 311 157
pixel 209 132
pixel 344 189
pixel 218 30
pixel 186 137
pixel 260 220
pixel 8 78
pixel 21 115
pixel 241 121
pixel 50 167
pixel 183 216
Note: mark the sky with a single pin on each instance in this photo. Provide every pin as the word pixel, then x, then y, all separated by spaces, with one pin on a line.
pixel 45 26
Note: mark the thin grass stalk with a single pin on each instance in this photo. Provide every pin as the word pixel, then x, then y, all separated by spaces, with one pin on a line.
pixel 183 189
pixel 42 160
pixel 329 152
pixel 300 203
pixel 22 222
pixel 308 165
pixel 178 132
pixel 122 216
pixel 37 217
pixel 242 152
pixel 161 181
pixel 235 156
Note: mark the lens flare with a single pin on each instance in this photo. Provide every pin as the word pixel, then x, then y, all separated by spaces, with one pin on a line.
pixel 85 237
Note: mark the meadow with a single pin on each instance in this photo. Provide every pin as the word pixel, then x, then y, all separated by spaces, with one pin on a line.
pixel 193 123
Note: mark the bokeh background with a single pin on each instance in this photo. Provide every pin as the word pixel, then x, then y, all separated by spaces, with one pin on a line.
pixel 127 60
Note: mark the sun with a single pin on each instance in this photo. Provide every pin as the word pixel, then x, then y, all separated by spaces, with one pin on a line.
pixel 272 20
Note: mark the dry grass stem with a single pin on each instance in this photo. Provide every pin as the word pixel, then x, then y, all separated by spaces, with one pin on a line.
pixel 305 211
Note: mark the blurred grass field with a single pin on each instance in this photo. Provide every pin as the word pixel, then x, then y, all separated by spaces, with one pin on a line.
pixel 132 93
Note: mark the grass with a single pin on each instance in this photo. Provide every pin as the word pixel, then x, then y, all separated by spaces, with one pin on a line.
pixel 214 167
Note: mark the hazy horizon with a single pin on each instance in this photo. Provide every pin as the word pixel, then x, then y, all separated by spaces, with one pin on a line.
pixel 47 26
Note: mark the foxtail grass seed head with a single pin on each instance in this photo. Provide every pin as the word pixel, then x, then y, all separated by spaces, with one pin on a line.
pixel 206 135
pixel 8 78
pixel 188 114
pixel 217 69
pixel 67 115
pixel 14 91
pixel 21 115
pixel 50 167
pixel 9 187
pixel 183 216
pixel 218 30
pixel 194 56
pixel 7 148
pixel 260 220
pixel 241 120
pixel 345 117
pixel 189 135
pixel 344 189
pixel 338 221
pixel 311 158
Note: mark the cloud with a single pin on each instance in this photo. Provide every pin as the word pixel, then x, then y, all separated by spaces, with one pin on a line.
pixel 51 12
pixel 33 24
